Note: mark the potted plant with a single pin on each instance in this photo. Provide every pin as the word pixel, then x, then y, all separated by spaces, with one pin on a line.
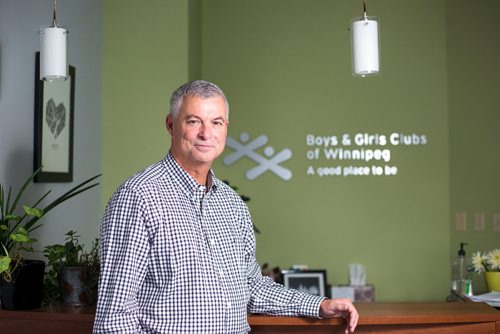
pixel 73 274
pixel 20 282
pixel 17 290
pixel 489 263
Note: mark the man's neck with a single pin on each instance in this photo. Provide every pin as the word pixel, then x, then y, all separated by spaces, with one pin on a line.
pixel 198 172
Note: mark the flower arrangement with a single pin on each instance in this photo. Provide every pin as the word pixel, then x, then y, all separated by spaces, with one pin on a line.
pixel 487 261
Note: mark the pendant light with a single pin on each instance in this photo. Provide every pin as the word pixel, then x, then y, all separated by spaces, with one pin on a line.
pixel 365 45
pixel 53 51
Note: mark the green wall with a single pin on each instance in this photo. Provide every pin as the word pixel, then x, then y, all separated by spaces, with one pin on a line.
pixel 145 59
pixel 474 95
pixel 285 67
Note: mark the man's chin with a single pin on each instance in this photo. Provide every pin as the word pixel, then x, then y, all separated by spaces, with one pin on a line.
pixel 205 157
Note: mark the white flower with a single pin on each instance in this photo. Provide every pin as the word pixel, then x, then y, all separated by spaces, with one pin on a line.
pixel 493 259
pixel 477 262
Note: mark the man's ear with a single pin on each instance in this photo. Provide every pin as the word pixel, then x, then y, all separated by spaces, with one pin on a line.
pixel 169 122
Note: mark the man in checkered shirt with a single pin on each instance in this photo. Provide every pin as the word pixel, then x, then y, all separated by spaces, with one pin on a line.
pixel 177 244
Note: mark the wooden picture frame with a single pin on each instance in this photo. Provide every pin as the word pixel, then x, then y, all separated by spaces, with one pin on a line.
pixel 308 281
pixel 54 124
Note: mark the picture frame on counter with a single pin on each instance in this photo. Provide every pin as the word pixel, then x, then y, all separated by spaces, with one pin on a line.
pixel 308 281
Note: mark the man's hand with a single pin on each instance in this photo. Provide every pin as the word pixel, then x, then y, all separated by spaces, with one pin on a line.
pixel 340 307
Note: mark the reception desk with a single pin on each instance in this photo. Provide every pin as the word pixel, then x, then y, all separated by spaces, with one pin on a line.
pixel 394 318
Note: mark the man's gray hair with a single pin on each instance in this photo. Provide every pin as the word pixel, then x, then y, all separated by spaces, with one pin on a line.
pixel 197 88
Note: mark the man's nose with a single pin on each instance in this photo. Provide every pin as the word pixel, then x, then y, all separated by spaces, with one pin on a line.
pixel 205 131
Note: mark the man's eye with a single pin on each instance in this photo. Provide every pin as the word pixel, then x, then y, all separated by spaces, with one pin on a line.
pixel 193 122
pixel 219 122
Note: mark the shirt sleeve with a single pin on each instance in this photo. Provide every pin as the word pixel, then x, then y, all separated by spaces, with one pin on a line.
pixel 123 252
pixel 268 297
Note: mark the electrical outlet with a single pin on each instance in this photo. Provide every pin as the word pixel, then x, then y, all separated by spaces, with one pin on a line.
pixel 460 221
pixel 496 222
pixel 479 224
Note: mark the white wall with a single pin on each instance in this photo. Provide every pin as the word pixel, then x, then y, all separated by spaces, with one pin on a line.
pixel 20 21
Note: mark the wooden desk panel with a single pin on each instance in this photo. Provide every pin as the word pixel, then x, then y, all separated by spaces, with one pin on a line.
pixel 482 328
pixel 395 318
pixel 48 321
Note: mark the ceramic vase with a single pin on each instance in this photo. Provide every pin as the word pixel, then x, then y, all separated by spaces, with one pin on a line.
pixel 73 286
pixel 492 280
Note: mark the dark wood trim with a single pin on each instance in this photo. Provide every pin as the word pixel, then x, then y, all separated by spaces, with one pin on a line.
pixel 399 318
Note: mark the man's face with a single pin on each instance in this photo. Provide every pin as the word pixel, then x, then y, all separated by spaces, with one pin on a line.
pixel 198 131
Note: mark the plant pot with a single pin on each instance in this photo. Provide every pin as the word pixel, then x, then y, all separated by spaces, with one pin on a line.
pixel 492 280
pixel 74 286
pixel 25 290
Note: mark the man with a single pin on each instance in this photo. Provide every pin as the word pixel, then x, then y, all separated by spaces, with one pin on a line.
pixel 177 244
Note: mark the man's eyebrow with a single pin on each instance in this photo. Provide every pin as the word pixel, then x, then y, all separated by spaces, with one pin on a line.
pixel 191 115
pixel 210 119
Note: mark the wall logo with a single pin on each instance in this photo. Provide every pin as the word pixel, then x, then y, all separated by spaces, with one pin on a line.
pixel 268 162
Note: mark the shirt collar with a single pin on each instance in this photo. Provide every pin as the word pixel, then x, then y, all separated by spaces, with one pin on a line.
pixel 186 182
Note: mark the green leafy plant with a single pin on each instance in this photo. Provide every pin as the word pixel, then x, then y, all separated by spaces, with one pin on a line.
pixel 23 243
pixel 15 228
pixel 70 254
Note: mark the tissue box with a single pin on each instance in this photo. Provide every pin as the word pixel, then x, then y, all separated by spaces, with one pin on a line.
pixel 342 292
pixel 358 293
pixel 364 293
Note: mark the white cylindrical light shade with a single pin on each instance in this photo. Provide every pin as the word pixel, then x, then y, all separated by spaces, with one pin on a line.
pixel 53 54
pixel 365 46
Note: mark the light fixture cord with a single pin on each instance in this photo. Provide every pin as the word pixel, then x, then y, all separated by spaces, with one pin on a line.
pixel 364 9
pixel 54 22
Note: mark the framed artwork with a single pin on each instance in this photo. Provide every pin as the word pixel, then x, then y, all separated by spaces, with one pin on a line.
pixel 310 281
pixel 54 123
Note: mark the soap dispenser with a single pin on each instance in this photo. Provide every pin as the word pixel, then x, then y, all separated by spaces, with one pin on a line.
pixel 459 272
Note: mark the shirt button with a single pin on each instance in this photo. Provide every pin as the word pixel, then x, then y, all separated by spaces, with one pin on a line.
pixel 228 305
pixel 221 273
pixel 212 242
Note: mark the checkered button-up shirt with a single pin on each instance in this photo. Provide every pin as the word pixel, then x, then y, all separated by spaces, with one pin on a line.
pixel 176 258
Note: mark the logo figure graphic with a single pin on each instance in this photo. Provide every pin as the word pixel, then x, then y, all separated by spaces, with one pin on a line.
pixel 267 162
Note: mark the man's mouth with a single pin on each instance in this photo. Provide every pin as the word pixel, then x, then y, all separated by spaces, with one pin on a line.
pixel 203 147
